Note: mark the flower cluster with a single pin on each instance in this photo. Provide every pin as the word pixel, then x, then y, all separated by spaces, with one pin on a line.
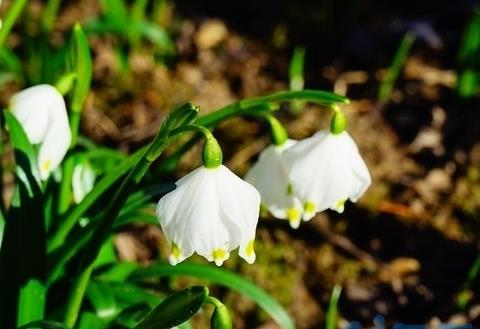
pixel 212 211
pixel 298 179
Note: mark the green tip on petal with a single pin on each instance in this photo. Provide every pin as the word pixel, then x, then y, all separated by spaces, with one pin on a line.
pixel 338 123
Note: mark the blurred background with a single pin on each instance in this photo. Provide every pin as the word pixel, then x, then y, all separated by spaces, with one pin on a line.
pixel 408 249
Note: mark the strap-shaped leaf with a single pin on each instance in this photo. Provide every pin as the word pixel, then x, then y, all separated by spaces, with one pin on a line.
pixel 102 298
pixel 22 283
pixel 82 67
pixel 175 309
pixel 44 324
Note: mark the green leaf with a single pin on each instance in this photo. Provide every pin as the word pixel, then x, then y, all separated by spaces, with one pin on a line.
pixel 25 156
pixel 332 308
pixel 82 62
pixel 11 62
pixel 118 272
pixel 157 35
pixel 89 320
pixel 100 188
pixel 44 324
pixel 175 309
pixel 296 68
pixel 115 11
pixel 221 277
pixel 11 17
pixel 128 294
pixel 101 296
pixel 23 290
pixel 130 316
pixel 386 87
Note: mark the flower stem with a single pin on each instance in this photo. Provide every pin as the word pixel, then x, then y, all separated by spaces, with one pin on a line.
pixel 278 133
pixel 212 152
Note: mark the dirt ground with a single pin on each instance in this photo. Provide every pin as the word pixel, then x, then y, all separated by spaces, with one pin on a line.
pixel 404 251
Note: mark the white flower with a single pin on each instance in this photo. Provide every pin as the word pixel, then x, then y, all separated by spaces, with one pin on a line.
pixel 325 170
pixel 83 180
pixel 211 212
pixel 270 177
pixel 42 113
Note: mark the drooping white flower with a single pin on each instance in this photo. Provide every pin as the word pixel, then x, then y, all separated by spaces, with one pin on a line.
pixel 325 171
pixel 42 113
pixel 269 175
pixel 211 212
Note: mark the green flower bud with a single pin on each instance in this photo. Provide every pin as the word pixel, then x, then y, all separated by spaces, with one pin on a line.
pixel 212 153
pixel 221 318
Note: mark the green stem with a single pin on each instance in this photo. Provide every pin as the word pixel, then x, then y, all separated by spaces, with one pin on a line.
pixel 213 301
pixel 12 15
pixel 278 133
pixel 252 106
pixel 49 14
pixel 75 118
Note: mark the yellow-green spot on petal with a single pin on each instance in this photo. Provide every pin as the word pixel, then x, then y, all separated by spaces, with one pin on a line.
pixel 340 205
pixel 176 252
pixel 219 254
pixel 309 207
pixel 290 189
pixel 46 165
pixel 293 214
pixel 249 251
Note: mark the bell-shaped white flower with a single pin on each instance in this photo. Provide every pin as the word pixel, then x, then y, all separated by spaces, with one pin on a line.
pixel 269 175
pixel 211 212
pixel 43 115
pixel 325 171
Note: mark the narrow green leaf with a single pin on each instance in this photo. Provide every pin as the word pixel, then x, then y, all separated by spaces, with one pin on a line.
pixel 89 320
pixel 82 61
pixel 11 17
pixel 25 156
pixel 221 277
pixel 23 291
pixel 118 272
pixel 100 188
pixel 44 324
pixel 396 67
pixel 175 309
pixel 115 11
pixel 128 294
pixel 157 36
pixel 332 308
pixel 297 64
pixel 50 14
pixel 101 297
pixel 130 316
